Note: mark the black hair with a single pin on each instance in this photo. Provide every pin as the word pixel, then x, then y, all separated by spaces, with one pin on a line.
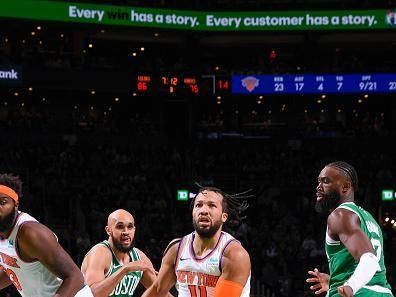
pixel 233 204
pixel 348 170
pixel 12 181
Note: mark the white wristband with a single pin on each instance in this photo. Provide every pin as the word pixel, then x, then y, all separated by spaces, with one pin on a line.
pixel 364 272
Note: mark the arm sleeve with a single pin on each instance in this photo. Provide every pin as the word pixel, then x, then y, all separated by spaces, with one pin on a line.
pixel 364 272
pixel 226 288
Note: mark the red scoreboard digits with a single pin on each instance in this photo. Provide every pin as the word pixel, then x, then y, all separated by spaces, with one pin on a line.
pixel 143 84
pixel 181 85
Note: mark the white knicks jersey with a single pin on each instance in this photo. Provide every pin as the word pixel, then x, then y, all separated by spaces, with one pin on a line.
pixel 32 279
pixel 197 277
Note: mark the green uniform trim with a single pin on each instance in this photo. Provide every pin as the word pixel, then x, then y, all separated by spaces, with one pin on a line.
pixel 127 286
pixel 342 264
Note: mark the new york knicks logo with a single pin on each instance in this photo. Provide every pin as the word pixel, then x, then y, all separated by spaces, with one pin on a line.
pixel 250 83
pixel 391 18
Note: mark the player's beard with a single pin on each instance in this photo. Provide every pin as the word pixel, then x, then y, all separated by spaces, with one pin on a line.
pixel 207 232
pixel 119 247
pixel 7 221
pixel 329 202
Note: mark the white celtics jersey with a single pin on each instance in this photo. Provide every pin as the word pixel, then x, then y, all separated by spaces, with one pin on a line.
pixel 31 279
pixel 197 277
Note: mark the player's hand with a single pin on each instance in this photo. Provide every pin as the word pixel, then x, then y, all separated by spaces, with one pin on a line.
pixel 321 281
pixel 140 265
pixel 345 291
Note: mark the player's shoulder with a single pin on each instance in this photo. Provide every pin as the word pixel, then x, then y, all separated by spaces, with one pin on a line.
pixel 342 218
pixel 99 252
pixel 236 251
pixel 173 246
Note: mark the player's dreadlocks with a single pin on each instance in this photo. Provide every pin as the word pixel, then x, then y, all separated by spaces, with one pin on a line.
pixel 349 171
pixel 11 181
pixel 233 204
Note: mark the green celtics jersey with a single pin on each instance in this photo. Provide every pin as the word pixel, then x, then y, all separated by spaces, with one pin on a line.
pixel 342 264
pixel 129 282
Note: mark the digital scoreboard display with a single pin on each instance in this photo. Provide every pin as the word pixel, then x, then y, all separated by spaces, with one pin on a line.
pixel 314 83
pixel 167 85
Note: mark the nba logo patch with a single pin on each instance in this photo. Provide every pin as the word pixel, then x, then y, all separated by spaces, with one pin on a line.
pixel 250 83
pixel 10 243
pixel 213 261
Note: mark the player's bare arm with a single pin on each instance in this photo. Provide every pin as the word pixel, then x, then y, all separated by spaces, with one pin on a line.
pixel 149 276
pixel 37 242
pixel 235 271
pixel 96 265
pixel 345 225
pixel 166 278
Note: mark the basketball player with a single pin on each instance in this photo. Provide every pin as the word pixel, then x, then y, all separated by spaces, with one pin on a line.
pixel 30 255
pixel 354 241
pixel 208 261
pixel 114 267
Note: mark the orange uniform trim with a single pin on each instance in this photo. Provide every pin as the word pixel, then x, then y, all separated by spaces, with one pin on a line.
pixel 8 192
pixel 226 288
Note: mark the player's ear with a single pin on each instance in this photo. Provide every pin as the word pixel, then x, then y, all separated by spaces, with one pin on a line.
pixel 346 187
pixel 108 230
pixel 224 217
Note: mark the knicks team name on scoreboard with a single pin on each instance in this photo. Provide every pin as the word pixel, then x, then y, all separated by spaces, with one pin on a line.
pixel 314 83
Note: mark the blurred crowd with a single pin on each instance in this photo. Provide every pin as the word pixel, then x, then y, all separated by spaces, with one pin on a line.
pixel 78 167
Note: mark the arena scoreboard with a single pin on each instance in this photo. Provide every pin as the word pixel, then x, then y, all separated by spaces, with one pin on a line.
pixel 168 85
pixel 172 85
pixel 314 83
pixel 207 85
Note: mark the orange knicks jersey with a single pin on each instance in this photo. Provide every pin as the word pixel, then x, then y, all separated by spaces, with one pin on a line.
pixel 197 277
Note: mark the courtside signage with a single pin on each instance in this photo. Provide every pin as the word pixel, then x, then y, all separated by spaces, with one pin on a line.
pixel 198 20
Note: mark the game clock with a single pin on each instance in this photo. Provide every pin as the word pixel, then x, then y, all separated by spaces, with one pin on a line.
pixel 167 85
